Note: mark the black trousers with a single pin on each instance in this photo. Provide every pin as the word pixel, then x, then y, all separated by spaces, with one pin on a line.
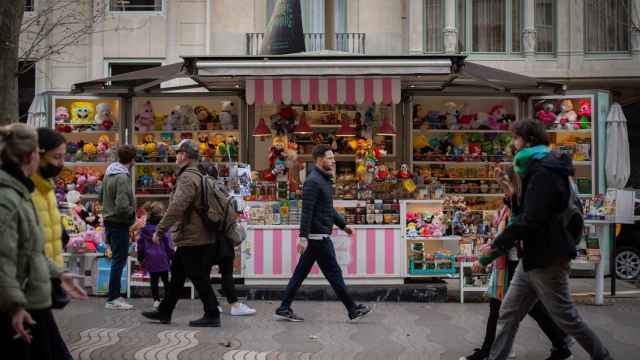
pixel 323 252
pixel 226 277
pixel 46 343
pixel 155 279
pixel 193 262
pixel 539 313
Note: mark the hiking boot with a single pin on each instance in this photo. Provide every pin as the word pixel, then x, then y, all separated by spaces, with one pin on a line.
pixel 287 315
pixel 206 321
pixel 157 315
pixel 478 354
pixel 359 312
pixel 560 354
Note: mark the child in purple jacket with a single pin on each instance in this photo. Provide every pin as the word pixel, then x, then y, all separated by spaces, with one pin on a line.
pixel 155 258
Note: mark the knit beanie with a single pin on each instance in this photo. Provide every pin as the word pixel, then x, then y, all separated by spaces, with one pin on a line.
pixel 48 139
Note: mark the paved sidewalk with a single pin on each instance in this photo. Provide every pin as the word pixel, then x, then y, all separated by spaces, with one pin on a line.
pixel 393 331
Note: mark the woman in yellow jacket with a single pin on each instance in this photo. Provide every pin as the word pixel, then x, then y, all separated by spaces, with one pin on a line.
pixel 52 150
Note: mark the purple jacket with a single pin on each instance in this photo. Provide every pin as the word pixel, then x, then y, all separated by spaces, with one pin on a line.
pixel 155 257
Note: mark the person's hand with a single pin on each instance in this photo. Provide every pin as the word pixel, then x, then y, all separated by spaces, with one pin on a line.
pixel 71 286
pixel 156 238
pixel 348 230
pixel 486 250
pixel 476 267
pixel 21 317
pixel 301 246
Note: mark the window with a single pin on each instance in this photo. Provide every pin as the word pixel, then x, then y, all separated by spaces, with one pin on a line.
pixel 544 18
pixel 495 25
pixel 607 24
pixel 29 5
pixel 312 14
pixel 434 25
pixel 26 87
pixel 123 68
pixel 135 5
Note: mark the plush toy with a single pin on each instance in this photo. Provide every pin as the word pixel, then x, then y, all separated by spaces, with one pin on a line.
pixel 227 115
pixel 204 117
pixel 203 144
pixel 451 115
pixel 82 113
pixel 159 122
pixel 433 120
pixel 103 144
pixel 585 115
pixel 567 117
pixel 547 114
pixel 145 121
pixel 467 121
pixel 418 116
pixel 496 116
pixel 104 117
pixel 62 119
pixel 189 118
pixel 89 149
pixel 174 120
pixel 382 173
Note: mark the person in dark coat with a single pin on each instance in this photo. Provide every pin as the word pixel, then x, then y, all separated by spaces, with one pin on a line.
pixel 155 258
pixel 543 273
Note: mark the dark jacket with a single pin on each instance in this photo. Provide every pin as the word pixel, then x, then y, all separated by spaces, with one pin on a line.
pixel 154 257
pixel 184 208
pixel 545 194
pixel 118 202
pixel 318 213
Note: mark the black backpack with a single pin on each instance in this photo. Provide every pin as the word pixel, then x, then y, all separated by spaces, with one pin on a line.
pixel 572 217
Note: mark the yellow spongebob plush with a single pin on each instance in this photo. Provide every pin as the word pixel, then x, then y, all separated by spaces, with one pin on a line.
pixel 82 113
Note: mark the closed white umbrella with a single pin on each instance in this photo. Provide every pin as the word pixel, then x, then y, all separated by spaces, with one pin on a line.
pixel 37 116
pixel 617 164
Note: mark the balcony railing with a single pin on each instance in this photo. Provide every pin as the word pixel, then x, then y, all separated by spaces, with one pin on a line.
pixel 347 42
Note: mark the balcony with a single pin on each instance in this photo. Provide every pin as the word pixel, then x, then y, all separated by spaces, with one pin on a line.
pixel 346 42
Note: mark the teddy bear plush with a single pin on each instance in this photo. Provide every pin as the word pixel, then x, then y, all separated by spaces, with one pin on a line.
pixel 82 113
pixel 204 117
pixel 104 117
pixel 145 121
pixel 189 118
pixel 547 114
pixel 567 117
pixel 227 115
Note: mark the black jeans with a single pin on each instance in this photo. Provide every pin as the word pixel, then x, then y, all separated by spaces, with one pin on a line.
pixel 226 278
pixel 539 313
pixel 47 343
pixel 118 239
pixel 155 279
pixel 193 262
pixel 323 252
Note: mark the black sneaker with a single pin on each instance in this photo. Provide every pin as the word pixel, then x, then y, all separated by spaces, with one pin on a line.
pixel 206 321
pixel 560 354
pixel 359 312
pixel 478 354
pixel 287 315
pixel 157 315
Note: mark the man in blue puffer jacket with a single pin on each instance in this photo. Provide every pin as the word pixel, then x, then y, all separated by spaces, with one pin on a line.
pixel 316 224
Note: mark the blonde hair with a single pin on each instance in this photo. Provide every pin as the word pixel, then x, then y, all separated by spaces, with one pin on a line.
pixel 153 208
pixel 16 142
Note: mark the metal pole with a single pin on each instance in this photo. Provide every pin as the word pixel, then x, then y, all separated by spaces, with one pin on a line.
pixel 612 257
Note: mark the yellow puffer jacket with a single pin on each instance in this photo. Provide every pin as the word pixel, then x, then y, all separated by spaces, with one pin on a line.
pixel 44 199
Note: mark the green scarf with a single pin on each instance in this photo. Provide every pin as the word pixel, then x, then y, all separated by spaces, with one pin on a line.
pixel 521 160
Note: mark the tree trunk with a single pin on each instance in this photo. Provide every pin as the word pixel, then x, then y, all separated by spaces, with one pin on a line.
pixel 11 13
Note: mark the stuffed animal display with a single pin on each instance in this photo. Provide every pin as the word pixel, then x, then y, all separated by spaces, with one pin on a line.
pixel 85 116
pixel 562 115
pixel 186 117
pixel 82 113
pixel 100 151
pixel 455 116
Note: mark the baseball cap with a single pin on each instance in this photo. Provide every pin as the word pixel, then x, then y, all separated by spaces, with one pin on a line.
pixel 188 147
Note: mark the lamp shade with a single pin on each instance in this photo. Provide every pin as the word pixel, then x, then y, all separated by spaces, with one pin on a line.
pixel 261 129
pixel 386 129
pixel 346 129
pixel 303 127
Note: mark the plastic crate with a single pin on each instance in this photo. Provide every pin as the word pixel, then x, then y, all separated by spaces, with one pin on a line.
pixel 452 269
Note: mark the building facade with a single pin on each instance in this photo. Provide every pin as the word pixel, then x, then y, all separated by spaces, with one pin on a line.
pixel 587 44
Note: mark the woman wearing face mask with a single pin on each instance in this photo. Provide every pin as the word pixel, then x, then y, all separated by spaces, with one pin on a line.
pixel 52 149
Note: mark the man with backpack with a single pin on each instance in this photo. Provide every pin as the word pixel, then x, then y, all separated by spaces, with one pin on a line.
pixel 194 241
pixel 549 225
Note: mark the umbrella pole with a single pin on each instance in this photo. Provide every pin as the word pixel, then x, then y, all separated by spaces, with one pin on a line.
pixel 612 257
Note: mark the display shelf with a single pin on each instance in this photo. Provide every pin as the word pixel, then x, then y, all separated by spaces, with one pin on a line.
pixel 147 196
pixel 156 163
pixel 157 132
pixel 89 196
pixel 440 131
pixel 473 163
pixel 477 195
pixel 433 238
pixel 565 131
pixel 467 179
pixel 85 163
pixel 90 131
pixel 463 288
pixel 582 163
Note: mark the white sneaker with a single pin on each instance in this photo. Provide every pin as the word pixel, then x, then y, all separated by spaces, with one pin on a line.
pixel 242 310
pixel 118 304
pixel 512 355
pixel 220 309
pixel 156 304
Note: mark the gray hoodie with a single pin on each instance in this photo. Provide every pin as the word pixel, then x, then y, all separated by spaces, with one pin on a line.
pixel 118 202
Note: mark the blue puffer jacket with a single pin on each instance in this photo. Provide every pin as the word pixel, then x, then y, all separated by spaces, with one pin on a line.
pixel 318 213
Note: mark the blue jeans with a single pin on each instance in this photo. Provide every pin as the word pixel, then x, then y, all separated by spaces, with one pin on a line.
pixel 324 253
pixel 550 286
pixel 118 239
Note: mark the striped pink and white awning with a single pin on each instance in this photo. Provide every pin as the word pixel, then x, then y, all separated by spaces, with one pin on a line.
pixel 323 91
